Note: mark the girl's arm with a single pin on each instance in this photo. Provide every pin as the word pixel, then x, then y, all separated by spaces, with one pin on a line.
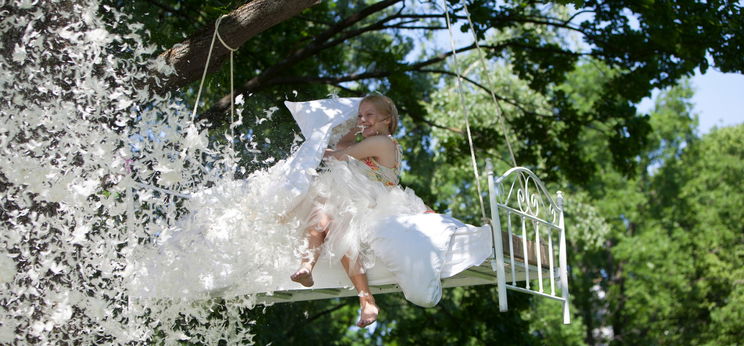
pixel 379 147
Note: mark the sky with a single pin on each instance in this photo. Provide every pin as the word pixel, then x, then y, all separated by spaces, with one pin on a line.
pixel 718 99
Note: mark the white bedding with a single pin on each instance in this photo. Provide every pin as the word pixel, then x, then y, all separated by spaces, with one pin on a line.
pixel 413 251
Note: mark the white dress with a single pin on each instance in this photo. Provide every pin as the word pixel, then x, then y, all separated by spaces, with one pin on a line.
pixel 246 236
pixel 356 194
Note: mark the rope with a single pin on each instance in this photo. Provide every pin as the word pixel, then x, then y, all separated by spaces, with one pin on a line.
pixel 216 31
pixel 215 36
pixel 232 88
pixel 489 82
pixel 464 111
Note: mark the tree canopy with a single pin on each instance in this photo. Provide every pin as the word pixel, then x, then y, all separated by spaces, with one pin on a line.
pixel 354 47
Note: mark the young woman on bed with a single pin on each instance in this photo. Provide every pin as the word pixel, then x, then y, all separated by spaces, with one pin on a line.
pixel 357 186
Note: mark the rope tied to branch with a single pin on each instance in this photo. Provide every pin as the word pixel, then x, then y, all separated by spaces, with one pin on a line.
pixel 216 35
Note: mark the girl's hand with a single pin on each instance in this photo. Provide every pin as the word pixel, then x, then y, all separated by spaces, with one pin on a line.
pixel 348 139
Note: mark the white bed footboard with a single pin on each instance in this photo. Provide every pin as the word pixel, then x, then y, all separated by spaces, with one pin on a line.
pixel 527 225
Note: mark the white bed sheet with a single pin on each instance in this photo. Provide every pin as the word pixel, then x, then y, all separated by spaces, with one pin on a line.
pixel 412 241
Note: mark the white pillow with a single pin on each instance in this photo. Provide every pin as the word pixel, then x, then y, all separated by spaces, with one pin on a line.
pixel 412 248
pixel 315 114
pixel 316 120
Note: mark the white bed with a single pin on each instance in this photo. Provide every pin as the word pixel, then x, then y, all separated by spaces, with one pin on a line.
pixel 415 268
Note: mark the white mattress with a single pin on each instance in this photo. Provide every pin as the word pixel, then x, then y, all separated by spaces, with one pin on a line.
pixel 468 246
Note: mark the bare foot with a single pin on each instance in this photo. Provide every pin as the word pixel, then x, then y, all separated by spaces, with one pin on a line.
pixel 369 311
pixel 303 276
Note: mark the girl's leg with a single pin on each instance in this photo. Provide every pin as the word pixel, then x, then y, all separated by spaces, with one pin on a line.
pixel 315 237
pixel 369 309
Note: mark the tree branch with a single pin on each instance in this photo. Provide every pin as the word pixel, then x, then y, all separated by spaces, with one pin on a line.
pixel 486 89
pixel 348 90
pixel 318 44
pixel 325 312
pixel 312 318
pixel 189 57
pixel 433 124
pixel 567 21
pixel 315 20
pixel 327 80
pixel 471 81
pixel 549 21
pixel 335 81
pixel 218 108
pixel 427 16
pixel 551 50
pixel 379 25
pixel 443 56
pixel 267 78
pixel 272 75
pixel 396 26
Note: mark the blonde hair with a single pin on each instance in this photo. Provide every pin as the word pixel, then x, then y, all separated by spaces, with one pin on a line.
pixel 385 105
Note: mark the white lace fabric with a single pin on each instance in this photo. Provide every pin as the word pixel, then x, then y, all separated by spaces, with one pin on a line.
pixel 349 193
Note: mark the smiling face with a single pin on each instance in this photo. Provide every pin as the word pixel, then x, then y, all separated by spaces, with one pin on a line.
pixel 373 120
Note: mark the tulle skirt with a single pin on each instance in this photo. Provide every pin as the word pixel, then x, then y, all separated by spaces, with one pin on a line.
pixel 241 236
pixel 355 203
pixel 235 239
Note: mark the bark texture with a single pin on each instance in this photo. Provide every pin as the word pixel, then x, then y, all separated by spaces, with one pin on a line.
pixel 189 57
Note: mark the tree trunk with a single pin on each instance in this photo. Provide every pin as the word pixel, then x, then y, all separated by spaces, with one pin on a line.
pixel 189 57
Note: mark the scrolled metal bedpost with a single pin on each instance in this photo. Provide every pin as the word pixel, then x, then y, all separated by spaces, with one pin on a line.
pixel 497 262
pixel 563 261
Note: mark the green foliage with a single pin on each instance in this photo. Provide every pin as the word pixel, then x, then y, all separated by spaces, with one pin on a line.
pixel 465 316
pixel 647 45
pixel 326 322
pixel 546 323
pixel 668 273
pixel 690 257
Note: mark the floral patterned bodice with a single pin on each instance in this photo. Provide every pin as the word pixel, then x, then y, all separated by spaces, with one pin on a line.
pixel 388 176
